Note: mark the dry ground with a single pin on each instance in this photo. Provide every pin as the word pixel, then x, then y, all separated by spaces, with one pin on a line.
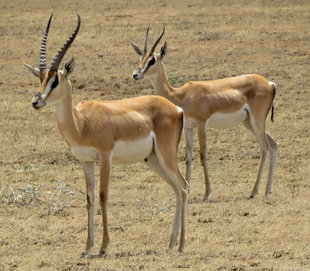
pixel 42 191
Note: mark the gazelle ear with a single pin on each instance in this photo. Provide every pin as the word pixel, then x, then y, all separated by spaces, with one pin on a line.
pixel 137 49
pixel 34 71
pixel 163 50
pixel 69 67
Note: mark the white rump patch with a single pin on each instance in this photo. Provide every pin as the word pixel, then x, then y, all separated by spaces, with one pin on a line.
pixel 180 109
pixel 226 120
pixel 126 152
pixel 272 84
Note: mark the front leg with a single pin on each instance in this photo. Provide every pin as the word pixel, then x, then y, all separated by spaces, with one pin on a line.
pixel 103 195
pixel 88 168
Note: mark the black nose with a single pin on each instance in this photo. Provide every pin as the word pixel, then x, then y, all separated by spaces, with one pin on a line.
pixel 135 76
pixel 34 104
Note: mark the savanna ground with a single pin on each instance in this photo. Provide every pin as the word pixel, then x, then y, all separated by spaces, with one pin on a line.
pixel 43 219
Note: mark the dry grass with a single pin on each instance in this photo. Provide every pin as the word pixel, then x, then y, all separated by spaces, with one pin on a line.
pixel 42 194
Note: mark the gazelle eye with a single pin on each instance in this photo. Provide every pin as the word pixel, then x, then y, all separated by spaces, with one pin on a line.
pixel 152 61
pixel 55 83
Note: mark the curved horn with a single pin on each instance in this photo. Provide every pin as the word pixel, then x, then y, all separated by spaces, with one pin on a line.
pixel 156 42
pixel 42 62
pixel 65 47
pixel 146 37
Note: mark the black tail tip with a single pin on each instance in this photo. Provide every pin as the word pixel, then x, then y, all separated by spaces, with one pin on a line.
pixel 272 113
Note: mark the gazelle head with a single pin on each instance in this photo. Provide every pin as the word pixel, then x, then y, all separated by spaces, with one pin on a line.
pixel 52 80
pixel 148 60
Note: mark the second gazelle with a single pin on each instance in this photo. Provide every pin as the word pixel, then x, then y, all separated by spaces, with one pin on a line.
pixel 216 104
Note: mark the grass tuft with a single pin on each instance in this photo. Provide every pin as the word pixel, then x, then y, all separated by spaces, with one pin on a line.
pixel 32 194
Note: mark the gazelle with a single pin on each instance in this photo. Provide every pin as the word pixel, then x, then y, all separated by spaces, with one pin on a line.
pixel 144 128
pixel 216 104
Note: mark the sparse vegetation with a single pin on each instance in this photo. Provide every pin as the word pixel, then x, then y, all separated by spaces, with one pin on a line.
pixel 42 190
pixel 20 196
pixel 32 194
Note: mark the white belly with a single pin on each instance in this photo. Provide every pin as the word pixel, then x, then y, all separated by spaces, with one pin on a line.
pixel 133 151
pixel 123 151
pixel 226 120
pixel 86 154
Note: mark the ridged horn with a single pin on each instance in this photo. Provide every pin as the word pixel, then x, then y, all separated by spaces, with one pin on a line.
pixel 146 37
pixel 158 40
pixel 65 47
pixel 42 62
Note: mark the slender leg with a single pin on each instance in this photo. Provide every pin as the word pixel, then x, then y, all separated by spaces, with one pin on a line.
pixel 263 155
pixel 157 163
pixel 103 195
pixel 182 188
pixel 189 154
pixel 264 146
pixel 88 168
pixel 183 238
pixel 273 145
pixel 164 159
pixel 202 137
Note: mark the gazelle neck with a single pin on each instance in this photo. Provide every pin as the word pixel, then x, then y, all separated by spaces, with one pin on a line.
pixel 67 117
pixel 162 86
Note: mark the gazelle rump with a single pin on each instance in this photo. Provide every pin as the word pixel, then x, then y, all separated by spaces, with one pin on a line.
pixel 144 128
pixel 219 104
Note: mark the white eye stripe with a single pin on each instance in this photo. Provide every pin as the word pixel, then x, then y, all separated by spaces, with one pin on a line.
pixel 146 65
pixel 49 85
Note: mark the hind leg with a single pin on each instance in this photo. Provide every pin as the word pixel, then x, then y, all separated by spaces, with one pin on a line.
pixel 273 148
pixel 159 164
pixel 264 147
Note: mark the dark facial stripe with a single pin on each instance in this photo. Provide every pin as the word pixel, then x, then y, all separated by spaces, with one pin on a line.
pixel 151 62
pixel 46 77
pixel 53 86
pixel 55 83
pixel 143 61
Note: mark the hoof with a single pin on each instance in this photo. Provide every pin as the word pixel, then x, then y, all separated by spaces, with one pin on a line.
pixel 103 253
pixel 84 254
pixel 181 248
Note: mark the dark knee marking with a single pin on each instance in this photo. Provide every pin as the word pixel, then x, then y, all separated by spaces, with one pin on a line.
pixel 102 197
pixel 202 158
pixel 89 204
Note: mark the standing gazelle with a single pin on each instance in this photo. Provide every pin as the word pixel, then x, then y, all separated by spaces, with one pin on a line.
pixel 145 128
pixel 219 104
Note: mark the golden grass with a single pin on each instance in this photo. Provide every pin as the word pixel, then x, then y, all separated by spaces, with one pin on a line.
pixel 43 220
